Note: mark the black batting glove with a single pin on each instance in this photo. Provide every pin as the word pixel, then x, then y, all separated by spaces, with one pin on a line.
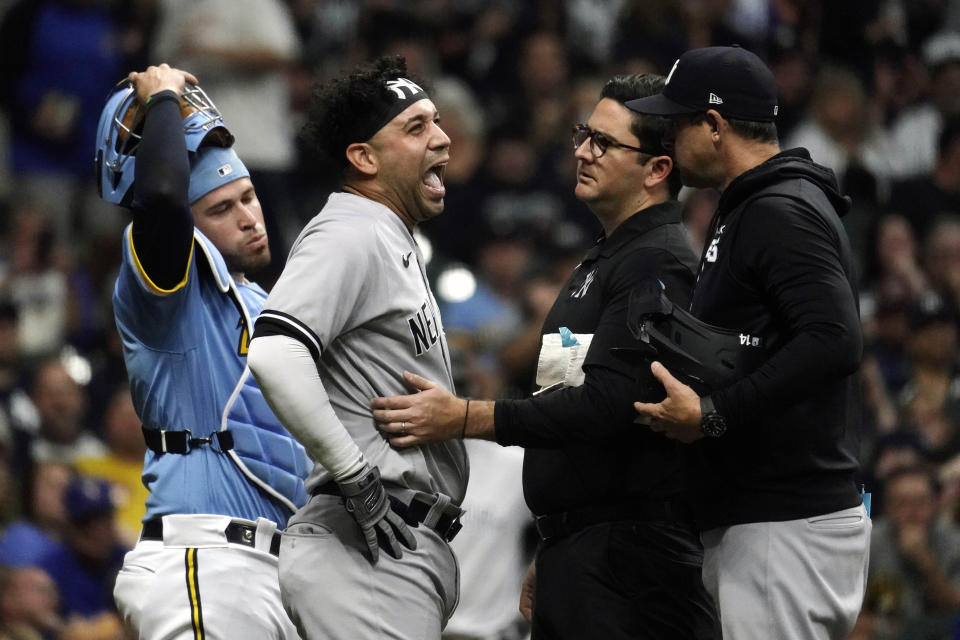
pixel 369 504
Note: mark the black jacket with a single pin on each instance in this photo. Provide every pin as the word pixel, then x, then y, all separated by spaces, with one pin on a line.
pixel 779 270
pixel 582 446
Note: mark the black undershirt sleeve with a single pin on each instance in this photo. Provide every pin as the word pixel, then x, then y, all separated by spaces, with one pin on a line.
pixel 601 408
pixel 596 410
pixel 162 221
pixel 794 255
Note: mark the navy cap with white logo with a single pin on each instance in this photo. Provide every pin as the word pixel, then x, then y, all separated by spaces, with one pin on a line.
pixel 731 80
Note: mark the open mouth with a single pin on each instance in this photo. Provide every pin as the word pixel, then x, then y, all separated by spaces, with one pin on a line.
pixel 433 179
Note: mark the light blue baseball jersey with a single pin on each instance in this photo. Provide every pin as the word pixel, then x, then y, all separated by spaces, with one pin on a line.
pixel 185 350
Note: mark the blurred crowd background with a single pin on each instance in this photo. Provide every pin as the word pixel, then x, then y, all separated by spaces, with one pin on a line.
pixel 871 88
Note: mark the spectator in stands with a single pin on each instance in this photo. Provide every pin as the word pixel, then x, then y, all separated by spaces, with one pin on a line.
pixel 941 257
pixel 930 400
pixel 61 405
pixel 85 567
pixel 122 464
pixel 60 58
pixel 914 574
pixel 841 131
pixel 29 604
pixel 923 198
pixel 36 283
pixel 44 521
pixel 914 134
pixel 242 50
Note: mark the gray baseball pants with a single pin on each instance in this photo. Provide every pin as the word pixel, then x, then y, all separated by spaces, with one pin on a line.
pixel 331 590
pixel 794 580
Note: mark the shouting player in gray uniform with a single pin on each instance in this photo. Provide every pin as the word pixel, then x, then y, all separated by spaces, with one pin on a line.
pixel 352 309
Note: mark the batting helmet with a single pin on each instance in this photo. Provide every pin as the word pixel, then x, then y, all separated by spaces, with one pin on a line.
pixel 118 135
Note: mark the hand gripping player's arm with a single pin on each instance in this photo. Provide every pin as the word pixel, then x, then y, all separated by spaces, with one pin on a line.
pixel 288 376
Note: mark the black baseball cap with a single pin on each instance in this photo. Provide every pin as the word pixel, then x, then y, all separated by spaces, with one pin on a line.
pixel 731 80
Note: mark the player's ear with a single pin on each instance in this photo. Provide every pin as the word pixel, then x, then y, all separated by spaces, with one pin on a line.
pixel 361 156
pixel 715 120
pixel 658 169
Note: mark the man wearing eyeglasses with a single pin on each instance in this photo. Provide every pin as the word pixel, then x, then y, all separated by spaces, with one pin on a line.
pixel 619 556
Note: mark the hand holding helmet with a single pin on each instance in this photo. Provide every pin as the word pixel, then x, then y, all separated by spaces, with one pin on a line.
pixel 118 132
pixel 160 78
pixel 148 83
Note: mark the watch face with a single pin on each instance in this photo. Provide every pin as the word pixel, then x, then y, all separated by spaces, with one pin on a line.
pixel 713 425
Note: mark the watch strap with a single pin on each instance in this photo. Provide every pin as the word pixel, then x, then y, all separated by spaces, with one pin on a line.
pixel 706 406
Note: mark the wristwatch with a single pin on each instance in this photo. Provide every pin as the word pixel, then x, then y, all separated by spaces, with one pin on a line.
pixel 712 424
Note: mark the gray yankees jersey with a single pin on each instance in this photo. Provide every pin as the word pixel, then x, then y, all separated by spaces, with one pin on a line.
pixel 355 291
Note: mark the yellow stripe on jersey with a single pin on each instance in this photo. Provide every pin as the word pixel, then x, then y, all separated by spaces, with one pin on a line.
pixel 143 274
pixel 244 347
pixel 193 592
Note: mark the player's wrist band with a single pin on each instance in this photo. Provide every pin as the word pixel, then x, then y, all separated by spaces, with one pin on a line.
pixel 162 96
pixel 466 414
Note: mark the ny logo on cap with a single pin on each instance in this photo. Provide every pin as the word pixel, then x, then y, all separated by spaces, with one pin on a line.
pixel 224 171
pixel 398 86
pixel 714 99
pixel 672 69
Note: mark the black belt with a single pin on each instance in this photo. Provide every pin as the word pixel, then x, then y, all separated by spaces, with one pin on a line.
pixel 162 441
pixel 448 524
pixel 554 526
pixel 236 532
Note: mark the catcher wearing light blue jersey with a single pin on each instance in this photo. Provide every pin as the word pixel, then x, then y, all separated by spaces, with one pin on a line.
pixel 222 471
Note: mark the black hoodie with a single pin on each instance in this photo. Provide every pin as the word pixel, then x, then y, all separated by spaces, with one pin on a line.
pixel 779 270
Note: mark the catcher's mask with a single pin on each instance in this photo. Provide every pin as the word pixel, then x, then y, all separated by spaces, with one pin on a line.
pixel 702 356
pixel 119 134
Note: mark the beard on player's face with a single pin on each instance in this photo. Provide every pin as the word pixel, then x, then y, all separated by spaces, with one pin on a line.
pixel 247 262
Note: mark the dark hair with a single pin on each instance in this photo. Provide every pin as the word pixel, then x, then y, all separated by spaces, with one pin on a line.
pixel 924 471
pixel 9 312
pixel 650 130
pixel 949 134
pixel 748 129
pixel 754 130
pixel 340 109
